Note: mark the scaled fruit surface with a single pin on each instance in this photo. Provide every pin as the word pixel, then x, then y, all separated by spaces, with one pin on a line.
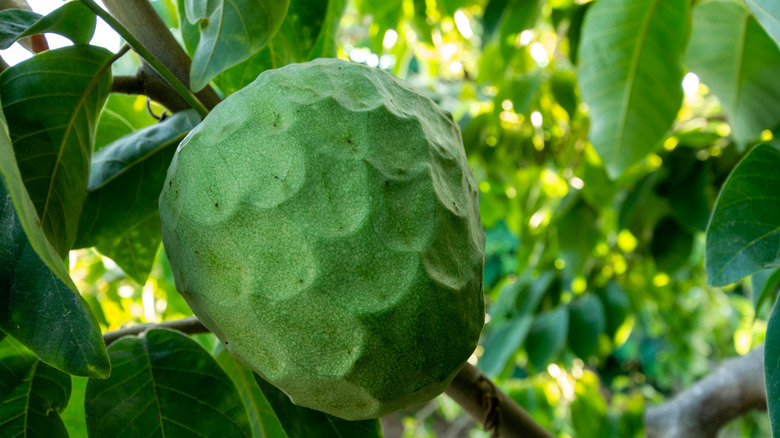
pixel 323 222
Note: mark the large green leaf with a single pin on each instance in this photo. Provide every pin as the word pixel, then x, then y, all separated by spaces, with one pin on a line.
pixel 630 75
pixel 230 32
pixel 587 321
pixel 772 369
pixel 73 414
pixel 306 28
pixel 547 336
pixel 120 213
pixel 744 234
pixel 39 310
pixel 300 422
pixel 52 102
pixel 123 114
pixel 265 424
pixel 734 56
pixel 72 20
pixel 32 394
pixel 164 384
pixel 768 14
pixel 503 343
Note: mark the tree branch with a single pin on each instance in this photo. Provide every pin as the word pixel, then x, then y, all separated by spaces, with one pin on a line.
pixel 147 82
pixel 733 389
pixel 471 389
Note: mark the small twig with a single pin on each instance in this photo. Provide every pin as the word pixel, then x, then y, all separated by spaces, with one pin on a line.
pixel 471 389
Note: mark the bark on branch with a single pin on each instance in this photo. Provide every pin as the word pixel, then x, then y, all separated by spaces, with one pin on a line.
pixel 474 392
pixel 149 83
pixel 733 389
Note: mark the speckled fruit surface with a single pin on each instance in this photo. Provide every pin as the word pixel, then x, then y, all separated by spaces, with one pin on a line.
pixel 323 222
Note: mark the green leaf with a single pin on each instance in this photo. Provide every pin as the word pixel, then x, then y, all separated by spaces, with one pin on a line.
pixel 772 369
pixel 124 186
pixel 494 12
pixel 577 235
pixel 52 131
pixel 73 415
pixel 629 47
pixel 296 41
pixel 768 14
pixel 587 321
pixel 300 422
pixel 32 394
pixel 72 20
pixel 135 249
pixel 39 310
pixel 671 246
pixel 547 336
pixel 616 305
pixel 265 424
pixel 503 343
pixel 734 56
pixel 122 115
pixel 744 234
pixel 766 285
pixel 234 31
pixel 164 384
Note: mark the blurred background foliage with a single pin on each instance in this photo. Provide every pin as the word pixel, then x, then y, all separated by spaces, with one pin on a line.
pixel 595 286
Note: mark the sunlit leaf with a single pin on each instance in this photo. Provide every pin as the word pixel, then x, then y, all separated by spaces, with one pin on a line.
pixel 135 249
pixel 768 14
pixel 164 384
pixel 734 56
pixel 265 424
pixel 628 48
pixel 744 234
pixel 52 102
pixel 300 422
pixel 72 20
pixel 32 394
pixel 73 415
pixel 232 32
pixel 39 310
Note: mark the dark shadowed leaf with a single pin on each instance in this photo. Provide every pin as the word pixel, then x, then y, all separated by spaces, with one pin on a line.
pixel 616 305
pixel 120 212
pixel 52 131
pixel 231 33
pixel 39 310
pixel 671 246
pixel 547 336
pixel 265 424
pixel 734 56
pixel 164 384
pixel 72 20
pixel 744 233
pixel 32 394
pixel 503 343
pixel 629 47
pixel 766 285
pixel 300 422
pixel 587 321
pixel 768 14
pixel 325 46
pixel 772 368
pixel 494 12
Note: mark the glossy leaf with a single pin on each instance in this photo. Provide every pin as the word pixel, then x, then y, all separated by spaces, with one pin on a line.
pixel 547 336
pixel 232 32
pixel 164 384
pixel 300 422
pixel 32 394
pixel 13 23
pixel 734 56
pixel 39 310
pixel 629 47
pixel 744 234
pixel 265 424
pixel 772 368
pixel 72 20
pixel 587 321
pixel 120 213
pixel 768 14
pixel 53 147
pixel 306 28
pixel 503 343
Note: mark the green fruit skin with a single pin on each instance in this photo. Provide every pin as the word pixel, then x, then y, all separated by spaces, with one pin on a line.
pixel 323 222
